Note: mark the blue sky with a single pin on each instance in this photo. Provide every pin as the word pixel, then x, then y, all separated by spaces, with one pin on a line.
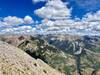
pixel 19 8
pixel 22 8
pixel 81 7
pixel 28 13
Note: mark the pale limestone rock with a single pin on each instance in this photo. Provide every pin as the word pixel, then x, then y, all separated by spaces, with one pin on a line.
pixel 14 61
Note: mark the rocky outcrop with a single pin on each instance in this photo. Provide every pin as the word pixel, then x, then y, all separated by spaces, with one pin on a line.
pixel 14 61
pixel 14 39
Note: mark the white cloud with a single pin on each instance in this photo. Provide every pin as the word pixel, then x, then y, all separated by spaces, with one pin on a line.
pixel 28 20
pixel 36 1
pixel 19 30
pixel 54 9
pixel 56 20
pixel 12 20
pixel 61 23
pixel 11 25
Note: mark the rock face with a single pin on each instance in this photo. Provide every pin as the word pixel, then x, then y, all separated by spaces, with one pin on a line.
pixel 14 40
pixel 14 61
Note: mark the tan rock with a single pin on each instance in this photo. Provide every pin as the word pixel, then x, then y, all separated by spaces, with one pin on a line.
pixel 14 61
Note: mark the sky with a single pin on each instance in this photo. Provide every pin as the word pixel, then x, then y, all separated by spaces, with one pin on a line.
pixel 50 16
pixel 21 8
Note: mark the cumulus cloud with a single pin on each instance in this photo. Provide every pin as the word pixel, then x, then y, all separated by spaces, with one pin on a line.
pixel 28 20
pixel 86 26
pixel 54 9
pixel 58 20
pixel 15 25
pixel 12 20
pixel 28 30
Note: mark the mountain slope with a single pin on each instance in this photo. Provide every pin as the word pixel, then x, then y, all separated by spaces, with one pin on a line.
pixel 14 61
pixel 71 55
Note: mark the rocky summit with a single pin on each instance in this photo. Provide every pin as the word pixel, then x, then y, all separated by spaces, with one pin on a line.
pixel 14 61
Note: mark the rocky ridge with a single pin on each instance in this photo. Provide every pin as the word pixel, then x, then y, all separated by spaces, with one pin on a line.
pixel 14 61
